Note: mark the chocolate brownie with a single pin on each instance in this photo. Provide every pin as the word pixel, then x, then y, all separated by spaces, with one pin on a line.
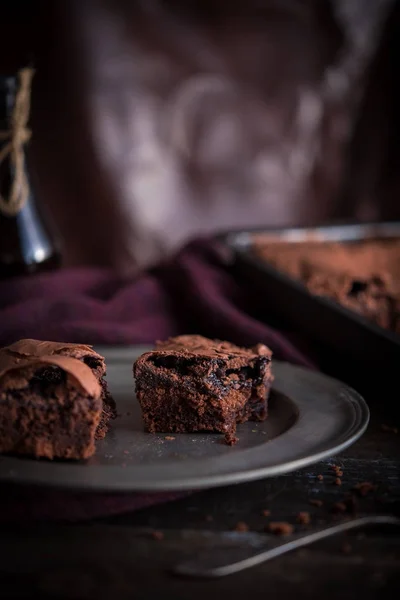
pixel 54 400
pixel 363 276
pixel 190 383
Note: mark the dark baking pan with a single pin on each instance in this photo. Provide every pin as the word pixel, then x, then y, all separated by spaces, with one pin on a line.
pixel 362 351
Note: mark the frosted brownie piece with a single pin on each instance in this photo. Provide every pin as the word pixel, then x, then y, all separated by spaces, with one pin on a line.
pixel 54 400
pixel 190 383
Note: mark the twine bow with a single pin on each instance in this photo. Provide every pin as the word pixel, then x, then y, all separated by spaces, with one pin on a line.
pixel 17 136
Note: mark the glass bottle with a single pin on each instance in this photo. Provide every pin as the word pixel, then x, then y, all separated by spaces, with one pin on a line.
pixel 26 245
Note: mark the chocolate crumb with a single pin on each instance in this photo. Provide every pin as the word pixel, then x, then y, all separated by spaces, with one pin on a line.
pixel 338 481
pixel 230 439
pixel 157 535
pixel 316 502
pixel 241 526
pixel 266 513
pixel 303 518
pixel 169 438
pixel 338 471
pixel 389 429
pixel 280 528
pixel 364 488
pixel 320 477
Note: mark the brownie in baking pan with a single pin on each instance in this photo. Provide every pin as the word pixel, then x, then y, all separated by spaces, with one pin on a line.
pixel 190 383
pixel 363 276
pixel 54 400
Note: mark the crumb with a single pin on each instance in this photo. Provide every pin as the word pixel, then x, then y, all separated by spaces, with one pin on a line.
pixel 303 518
pixel 364 488
pixel 338 471
pixel 389 429
pixel 266 513
pixel 241 526
pixel 230 439
pixel 126 451
pixel 280 528
pixel 209 518
pixel 338 481
pixel 339 507
pixel 169 438
pixel 320 477
pixel 346 548
pixel 128 414
pixel 123 465
pixel 316 502
pixel 157 535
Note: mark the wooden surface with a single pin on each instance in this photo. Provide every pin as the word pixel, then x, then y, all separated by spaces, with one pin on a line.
pixel 119 557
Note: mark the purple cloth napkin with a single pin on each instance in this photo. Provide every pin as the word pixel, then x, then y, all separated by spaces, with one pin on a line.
pixel 193 293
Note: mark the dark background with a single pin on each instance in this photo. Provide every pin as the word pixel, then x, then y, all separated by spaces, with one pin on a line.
pixel 100 63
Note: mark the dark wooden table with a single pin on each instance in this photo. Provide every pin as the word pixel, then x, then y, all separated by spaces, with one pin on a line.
pixel 122 557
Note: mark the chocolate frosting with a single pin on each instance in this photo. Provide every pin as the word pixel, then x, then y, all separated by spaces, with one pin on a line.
pixel 199 345
pixel 28 347
pixel 33 353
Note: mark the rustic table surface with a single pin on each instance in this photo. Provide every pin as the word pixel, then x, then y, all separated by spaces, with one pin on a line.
pixel 130 556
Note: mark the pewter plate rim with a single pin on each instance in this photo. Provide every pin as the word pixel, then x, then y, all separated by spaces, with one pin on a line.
pixel 328 416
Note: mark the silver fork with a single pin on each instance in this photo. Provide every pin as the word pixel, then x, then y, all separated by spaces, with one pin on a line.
pixel 228 560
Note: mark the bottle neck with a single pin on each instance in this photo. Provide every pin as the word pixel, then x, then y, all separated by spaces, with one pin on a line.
pixel 14 112
pixel 8 88
pixel 26 245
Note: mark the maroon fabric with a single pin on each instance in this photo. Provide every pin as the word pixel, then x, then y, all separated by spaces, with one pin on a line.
pixel 194 293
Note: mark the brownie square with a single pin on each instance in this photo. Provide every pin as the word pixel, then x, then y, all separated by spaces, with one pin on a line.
pixel 190 383
pixel 32 349
pixel 54 400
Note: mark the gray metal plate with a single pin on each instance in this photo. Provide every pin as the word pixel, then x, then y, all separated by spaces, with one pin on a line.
pixel 311 417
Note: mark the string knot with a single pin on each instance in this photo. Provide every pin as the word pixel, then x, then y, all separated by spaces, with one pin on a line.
pixel 15 139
